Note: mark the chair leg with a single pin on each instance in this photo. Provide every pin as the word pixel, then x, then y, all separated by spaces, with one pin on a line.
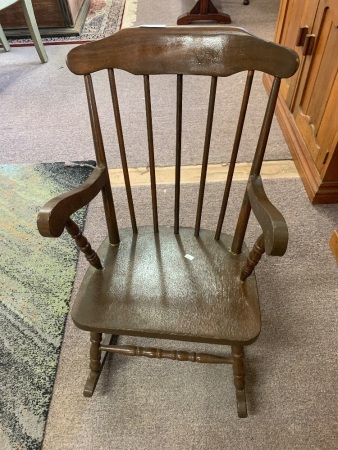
pixel 3 40
pixel 239 379
pixel 97 360
pixel 94 365
pixel 33 29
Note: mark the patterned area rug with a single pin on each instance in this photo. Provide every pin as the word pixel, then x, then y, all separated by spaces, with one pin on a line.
pixel 104 18
pixel 36 278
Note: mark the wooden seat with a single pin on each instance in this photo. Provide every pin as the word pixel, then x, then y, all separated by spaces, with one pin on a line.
pixel 175 283
pixel 165 286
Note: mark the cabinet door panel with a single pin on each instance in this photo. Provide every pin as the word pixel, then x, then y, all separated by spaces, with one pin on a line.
pixel 318 78
pixel 324 66
pixel 328 137
pixel 292 12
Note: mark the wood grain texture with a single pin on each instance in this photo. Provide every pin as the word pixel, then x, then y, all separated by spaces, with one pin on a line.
pixel 317 189
pixel 176 355
pixel 214 51
pixel 53 216
pixel 273 224
pixel 47 13
pixel 149 288
pixel 309 114
pixel 253 258
pixel 171 282
pixel 83 244
pixel 334 244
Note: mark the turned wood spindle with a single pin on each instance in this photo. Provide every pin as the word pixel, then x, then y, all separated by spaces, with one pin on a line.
pixel 177 355
pixel 253 258
pixel 95 352
pixel 83 244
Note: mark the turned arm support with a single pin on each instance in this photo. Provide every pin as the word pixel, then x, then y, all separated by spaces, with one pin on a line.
pixel 54 215
pixel 274 239
pixel 275 231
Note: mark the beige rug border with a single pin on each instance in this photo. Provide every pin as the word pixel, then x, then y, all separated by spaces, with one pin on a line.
pixel 129 15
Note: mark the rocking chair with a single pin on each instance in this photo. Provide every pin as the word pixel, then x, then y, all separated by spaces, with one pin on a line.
pixel 212 298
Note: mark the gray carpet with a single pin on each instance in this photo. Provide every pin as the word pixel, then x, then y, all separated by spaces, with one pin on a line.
pixel 44 109
pixel 291 369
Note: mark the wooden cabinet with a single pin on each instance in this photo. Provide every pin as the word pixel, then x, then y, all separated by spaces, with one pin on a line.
pixel 54 18
pixel 308 106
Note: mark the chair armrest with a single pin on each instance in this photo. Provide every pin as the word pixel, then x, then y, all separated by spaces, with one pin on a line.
pixel 272 222
pixel 54 214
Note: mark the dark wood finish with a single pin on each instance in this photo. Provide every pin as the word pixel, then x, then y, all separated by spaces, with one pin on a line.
pixel 122 148
pixel 204 10
pixel 98 357
pixel 206 153
pixel 239 379
pixel 175 283
pixel 193 51
pixel 234 154
pixel 256 166
pixel 253 258
pixel 275 231
pixel 177 286
pixel 179 103
pixel 151 150
pixel 83 244
pixel 176 355
pixel 308 108
pixel 54 18
pixel 47 13
pixel 53 216
pixel 101 161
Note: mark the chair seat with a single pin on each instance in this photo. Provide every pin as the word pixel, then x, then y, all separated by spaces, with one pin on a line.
pixel 149 287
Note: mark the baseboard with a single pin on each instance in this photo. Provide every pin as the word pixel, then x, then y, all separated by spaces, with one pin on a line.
pixel 317 190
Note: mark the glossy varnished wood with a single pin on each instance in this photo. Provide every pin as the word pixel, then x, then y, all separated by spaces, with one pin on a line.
pixel 176 355
pixel 172 282
pixel 213 51
pixel 97 360
pixel 83 244
pixel 234 153
pixel 275 231
pixel 149 288
pixel 53 216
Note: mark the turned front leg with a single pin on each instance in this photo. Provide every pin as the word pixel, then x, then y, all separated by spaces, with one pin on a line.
pixel 95 364
pixel 95 352
pixel 237 352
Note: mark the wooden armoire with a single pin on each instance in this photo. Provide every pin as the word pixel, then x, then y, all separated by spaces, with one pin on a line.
pixel 308 105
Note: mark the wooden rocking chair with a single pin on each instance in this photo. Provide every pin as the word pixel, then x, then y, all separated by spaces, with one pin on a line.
pixel 213 298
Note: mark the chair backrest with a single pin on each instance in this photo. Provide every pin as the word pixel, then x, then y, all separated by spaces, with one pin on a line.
pixel 208 51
